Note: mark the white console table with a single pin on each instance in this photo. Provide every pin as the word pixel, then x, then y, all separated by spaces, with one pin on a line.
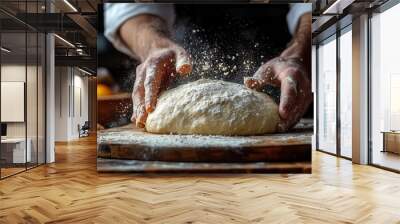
pixel 16 146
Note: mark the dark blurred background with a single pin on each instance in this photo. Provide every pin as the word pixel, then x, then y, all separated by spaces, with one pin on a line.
pixel 226 41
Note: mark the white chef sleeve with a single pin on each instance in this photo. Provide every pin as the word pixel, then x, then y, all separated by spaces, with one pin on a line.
pixel 115 14
pixel 296 11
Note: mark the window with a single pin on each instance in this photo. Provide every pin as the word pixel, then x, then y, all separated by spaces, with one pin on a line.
pixel 22 77
pixel 345 92
pixel 327 95
pixel 385 89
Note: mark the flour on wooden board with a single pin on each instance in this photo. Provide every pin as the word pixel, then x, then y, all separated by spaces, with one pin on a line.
pixel 201 141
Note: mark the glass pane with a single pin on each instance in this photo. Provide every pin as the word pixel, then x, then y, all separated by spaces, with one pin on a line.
pixel 327 96
pixel 14 151
pixel 23 79
pixel 313 82
pixel 41 98
pixel 31 85
pixel 345 94
pixel 31 97
pixel 385 84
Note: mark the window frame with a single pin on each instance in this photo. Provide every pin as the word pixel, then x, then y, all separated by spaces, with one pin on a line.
pixel 339 32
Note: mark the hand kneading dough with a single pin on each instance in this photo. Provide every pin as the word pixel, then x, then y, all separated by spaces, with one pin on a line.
pixel 213 107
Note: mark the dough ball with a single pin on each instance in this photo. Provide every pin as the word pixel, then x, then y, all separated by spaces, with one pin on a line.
pixel 213 107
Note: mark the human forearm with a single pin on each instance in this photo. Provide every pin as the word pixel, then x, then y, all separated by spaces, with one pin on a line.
pixel 291 72
pixel 300 46
pixel 160 58
pixel 145 33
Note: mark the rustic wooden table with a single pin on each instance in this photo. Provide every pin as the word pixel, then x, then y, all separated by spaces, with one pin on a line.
pixel 129 149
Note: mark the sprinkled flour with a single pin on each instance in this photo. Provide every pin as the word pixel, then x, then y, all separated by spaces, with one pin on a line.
pixel 201 141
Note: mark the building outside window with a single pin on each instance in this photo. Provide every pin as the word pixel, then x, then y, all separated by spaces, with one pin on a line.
pixel 326 95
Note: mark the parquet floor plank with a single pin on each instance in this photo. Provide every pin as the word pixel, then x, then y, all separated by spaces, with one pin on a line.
pixel 71 191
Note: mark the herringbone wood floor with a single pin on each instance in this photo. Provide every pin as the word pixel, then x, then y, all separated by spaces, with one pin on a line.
pixel 71 191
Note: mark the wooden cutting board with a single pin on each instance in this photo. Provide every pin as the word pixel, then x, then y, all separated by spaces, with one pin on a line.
pixel 131 143
pixel 124 165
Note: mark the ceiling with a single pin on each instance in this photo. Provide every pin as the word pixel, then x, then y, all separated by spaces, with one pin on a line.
pixel 73 20
pixel 332 15
pixel 76 22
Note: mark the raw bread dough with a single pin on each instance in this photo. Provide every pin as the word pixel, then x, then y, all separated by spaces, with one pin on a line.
pixel 213 107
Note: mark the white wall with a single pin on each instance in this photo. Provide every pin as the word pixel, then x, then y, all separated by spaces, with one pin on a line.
pixel 70 83
pixel 81 83
pixel 33 126
pixel 15 72
pixel 61 103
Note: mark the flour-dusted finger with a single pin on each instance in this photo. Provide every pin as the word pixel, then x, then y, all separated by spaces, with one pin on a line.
pixel 183 64
pixel 158 70
pixel 139 113
pixel 141 116
pixel 152 85
pixel 300 105
pixel 265 75
pixel 253 83
pixel 288 96
pixel 135 91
